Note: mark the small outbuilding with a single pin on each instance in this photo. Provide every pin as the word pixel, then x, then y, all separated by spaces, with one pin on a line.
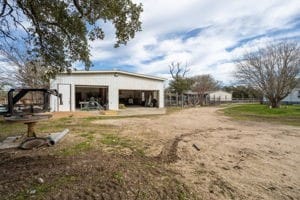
pixel 218 96
pixel 108 88
pixel 294 95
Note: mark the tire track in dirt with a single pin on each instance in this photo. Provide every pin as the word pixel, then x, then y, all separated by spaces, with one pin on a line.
pixel 217 186
pixel 168 153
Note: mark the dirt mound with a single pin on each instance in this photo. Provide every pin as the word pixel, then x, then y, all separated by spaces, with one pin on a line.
pixel 95 175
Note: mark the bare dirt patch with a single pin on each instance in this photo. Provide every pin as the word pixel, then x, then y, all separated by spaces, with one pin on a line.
pixel 77 114
pixel 237 160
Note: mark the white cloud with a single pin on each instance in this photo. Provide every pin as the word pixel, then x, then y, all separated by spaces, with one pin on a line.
pixel 227 22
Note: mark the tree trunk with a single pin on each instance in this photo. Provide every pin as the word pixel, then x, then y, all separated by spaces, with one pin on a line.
pixel 274 103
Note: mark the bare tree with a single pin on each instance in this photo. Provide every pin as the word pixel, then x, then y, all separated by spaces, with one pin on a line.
pixel 20 70
pixel 5 77
pixel 177 71
pixel 32 75
pixel 203 84
pixel 272 70
pixel 180 82
pixel 13 61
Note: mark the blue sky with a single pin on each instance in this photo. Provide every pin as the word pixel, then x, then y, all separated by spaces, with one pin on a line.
pixel 205 34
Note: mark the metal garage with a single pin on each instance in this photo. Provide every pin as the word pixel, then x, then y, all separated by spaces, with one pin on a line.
pixel 107 89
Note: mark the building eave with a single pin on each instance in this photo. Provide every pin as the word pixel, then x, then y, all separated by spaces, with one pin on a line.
pixel 115 72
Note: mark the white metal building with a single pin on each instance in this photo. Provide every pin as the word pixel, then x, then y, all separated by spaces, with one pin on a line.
pixel 219 95
pixel 110 88
pixel 294 96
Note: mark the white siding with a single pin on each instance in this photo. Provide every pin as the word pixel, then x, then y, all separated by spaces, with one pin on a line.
pixel 220 96
pixel 65 89
pixel 293 97
pixel 114 82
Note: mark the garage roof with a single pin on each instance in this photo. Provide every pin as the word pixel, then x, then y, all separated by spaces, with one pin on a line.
pixel 116 72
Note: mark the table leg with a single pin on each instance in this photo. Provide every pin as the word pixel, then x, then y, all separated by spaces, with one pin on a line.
pixel 30 129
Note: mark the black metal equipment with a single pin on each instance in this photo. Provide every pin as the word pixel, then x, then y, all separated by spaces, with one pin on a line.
pixel 29 109
pixel 28 116
pixel 14 98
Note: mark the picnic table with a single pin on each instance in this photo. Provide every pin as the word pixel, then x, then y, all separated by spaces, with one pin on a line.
pixel 89 105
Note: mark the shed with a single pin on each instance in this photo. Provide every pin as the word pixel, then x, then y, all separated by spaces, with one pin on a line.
pixel 294 95
pixel 109 88
pixel 218 95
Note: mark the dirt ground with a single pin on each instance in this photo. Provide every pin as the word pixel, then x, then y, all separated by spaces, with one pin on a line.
pixel 235 160
pixel 133 111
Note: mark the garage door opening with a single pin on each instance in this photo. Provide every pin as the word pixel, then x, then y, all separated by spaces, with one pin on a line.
pixel 91 97
pixel 139 98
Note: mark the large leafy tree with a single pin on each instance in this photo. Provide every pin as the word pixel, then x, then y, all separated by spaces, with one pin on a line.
pixel 57 31
pixel 271 70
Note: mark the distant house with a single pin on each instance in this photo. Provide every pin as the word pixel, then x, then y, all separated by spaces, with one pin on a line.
pixel 218 96
pixel 294 96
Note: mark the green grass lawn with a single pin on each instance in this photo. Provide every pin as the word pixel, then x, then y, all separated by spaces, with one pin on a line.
pixel 284 115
